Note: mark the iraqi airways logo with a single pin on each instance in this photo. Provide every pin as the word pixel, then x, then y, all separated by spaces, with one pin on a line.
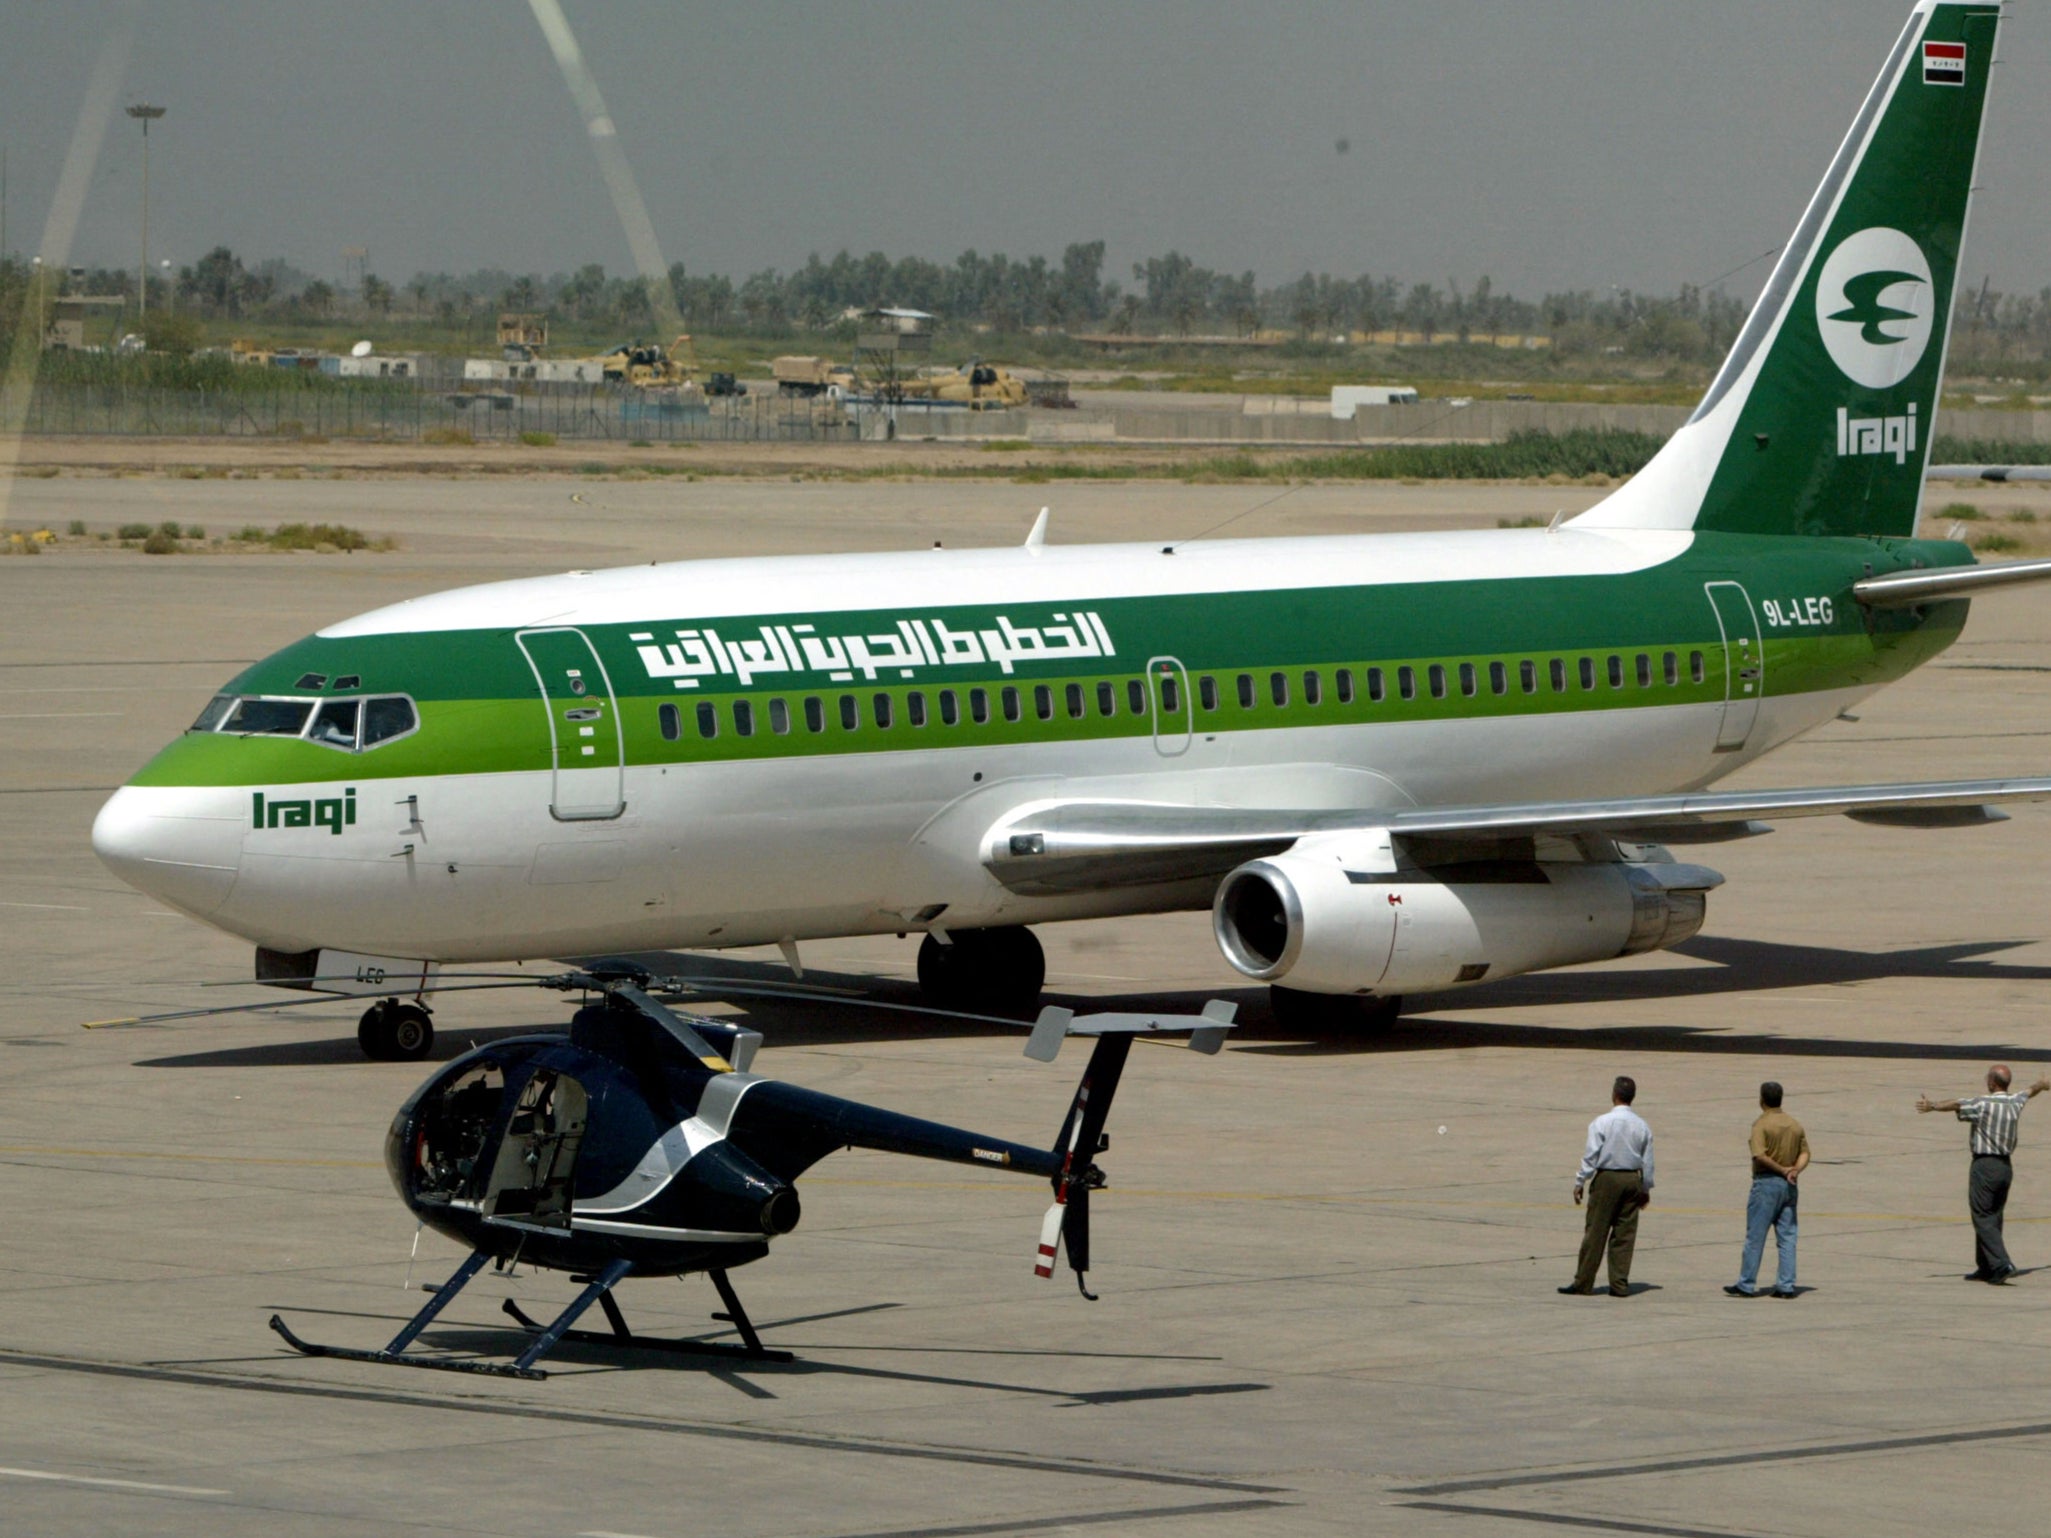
pixel 1873 307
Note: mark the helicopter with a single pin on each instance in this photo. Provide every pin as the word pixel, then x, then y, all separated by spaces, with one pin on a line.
pixel 639 1144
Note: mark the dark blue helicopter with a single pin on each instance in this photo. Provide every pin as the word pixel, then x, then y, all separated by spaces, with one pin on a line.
pixel 639 1144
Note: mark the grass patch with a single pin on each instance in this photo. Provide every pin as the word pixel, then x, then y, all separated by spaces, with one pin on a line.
pixel 322 537
pixel 449 437
pixel 538 440
pixel 1006 446
pixel 1581 452
pixel 161 543
pixel 1993 542
pixel 1947 450
pixel 2021 515
pixel 76 527
pixel 1960 512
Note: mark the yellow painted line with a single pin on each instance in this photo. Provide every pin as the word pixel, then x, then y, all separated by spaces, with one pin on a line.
pixel 186 1158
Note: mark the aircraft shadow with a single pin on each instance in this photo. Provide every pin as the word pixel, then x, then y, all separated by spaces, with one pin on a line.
pixel 844 1008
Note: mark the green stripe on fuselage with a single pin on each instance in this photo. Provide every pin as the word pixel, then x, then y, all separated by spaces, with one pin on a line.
pixel 481 712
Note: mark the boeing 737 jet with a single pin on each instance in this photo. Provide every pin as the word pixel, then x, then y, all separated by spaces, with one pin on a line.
pixel 1387 765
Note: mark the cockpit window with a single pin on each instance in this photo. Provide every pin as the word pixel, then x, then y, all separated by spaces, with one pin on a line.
pixel 334 724
pixel 350 725
pixel 386 717
pixel 268 718
pixel 215 713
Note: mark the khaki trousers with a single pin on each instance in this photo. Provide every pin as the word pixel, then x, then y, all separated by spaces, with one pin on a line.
pixel 1613 1223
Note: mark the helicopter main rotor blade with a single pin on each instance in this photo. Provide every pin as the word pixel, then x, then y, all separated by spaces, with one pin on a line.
pixel 244 1009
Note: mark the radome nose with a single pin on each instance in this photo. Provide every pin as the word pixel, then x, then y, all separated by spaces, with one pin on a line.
pixel 180 846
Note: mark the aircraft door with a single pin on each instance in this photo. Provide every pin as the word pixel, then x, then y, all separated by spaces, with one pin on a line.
pixel 1744 663
pixel 583 725
pixel 530 1178
pixel 1173 710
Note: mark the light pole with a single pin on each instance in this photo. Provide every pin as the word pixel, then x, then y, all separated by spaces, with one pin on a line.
pixel 145 114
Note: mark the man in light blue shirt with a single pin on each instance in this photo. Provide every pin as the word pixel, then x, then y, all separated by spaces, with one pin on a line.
pixel 1616 1179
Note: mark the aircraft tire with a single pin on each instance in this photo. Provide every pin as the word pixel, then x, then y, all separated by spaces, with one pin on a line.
pixel 1296 1010
pixel 984 971
pixel 391 1032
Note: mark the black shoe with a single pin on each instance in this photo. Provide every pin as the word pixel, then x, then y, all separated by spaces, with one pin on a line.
pixel 1735 1291
pixel 1999 1278
pixel 1620 1292
pixel 1976 1276
pixel 1578 1292
pixel 1790 1293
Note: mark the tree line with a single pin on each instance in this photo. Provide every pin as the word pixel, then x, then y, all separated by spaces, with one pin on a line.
pixel 1166 297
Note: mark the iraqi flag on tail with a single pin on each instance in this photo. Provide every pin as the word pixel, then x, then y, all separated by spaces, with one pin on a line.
pixel 1944 64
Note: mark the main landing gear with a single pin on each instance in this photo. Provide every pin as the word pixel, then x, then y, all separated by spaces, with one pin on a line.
pixel 393 1031
pixel 1296 1010
pixel 984 971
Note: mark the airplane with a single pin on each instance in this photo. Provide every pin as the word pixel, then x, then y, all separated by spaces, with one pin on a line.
pixel 639 1143
pixel 1388 765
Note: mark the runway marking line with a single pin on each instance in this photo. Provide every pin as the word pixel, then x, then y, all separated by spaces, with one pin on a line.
pixel 52 907
pixel 106 1484
pixel 63 715
pixel 185 1158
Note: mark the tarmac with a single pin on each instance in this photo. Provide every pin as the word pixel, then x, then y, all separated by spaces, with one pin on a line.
pixel 1327 1264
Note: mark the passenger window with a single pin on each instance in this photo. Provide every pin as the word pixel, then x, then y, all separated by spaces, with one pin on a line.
pixel 1107 700
pixel 1246 691
pixel 1498 678
pixel 915 708
pixel 979 705
pixel 708 719
pixel 334 724
pixel 850 713
pixel 1558 669
pixel 1616 671
pixel 1588 672
pixel 779 717
pixel 1406 681
pixel 1171 696
pixel 215 713
pixel 1644 671
pixel 268 718
pixel 950 708
pixel 1695 666
pixel 1207 691
pixel 1278 688
pixel 1043 702
pixel 1011 705
pixel 1670 666
pixel 1375 691
pixel 1527 676
pixel 1342 683
pixel 1136 696
pixel 1076 706
pixel 815 713
pixel 672 720
pixel 1313 689
pixel 882 704
pixel 744 719
pixel 1468 682
pixel 387 716
pixel 1437 674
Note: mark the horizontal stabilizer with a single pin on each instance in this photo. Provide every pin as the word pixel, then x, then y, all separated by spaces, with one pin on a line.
pixel 1206 1031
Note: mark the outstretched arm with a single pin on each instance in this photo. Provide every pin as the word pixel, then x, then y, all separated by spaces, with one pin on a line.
pixel 1925 1103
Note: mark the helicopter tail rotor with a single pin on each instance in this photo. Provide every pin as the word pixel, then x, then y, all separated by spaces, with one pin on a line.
pixel 1082 1138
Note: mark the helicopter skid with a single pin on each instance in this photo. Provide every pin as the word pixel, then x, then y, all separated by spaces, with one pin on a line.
pixel 751 1348
pixel 398 1359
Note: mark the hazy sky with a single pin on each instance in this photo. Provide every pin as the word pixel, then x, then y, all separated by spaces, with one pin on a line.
pixel 1547 143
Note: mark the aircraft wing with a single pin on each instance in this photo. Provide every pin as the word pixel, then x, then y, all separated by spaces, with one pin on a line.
pixel 1079 846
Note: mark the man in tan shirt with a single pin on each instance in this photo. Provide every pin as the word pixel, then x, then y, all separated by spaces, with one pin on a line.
pixel 1780 1152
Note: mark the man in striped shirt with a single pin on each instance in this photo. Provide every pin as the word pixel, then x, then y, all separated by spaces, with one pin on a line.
pixel 1996 1119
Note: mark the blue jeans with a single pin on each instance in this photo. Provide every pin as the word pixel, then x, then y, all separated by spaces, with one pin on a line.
pixel 1772 1205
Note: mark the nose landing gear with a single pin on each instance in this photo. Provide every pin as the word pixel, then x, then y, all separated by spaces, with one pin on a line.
pixel 393 1031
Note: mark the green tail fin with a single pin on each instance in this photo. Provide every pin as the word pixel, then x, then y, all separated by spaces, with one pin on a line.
pixel 1819 421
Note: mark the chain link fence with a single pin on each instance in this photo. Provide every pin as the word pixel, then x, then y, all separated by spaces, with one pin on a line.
pixel 385 413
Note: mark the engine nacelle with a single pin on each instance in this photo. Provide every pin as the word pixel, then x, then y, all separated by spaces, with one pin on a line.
pixel 1305 919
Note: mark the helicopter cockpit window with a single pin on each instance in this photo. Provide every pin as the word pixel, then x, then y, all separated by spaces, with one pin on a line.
pixel 454 1127
pixel 334 724
pixel 254 717
pixel 386 717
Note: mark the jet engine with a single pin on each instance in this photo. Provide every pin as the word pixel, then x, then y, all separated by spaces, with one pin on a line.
pixel 1309 919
